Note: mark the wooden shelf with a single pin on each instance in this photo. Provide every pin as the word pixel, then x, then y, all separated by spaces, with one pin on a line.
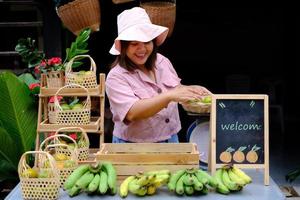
pixel 46 92
pixel 94 126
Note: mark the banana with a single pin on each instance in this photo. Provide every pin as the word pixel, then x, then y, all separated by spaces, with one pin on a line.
pixel 95 168
pixel 180 186
pixel 188 180
pixel 123 190
pixel 142 191
pixel 133 187
pixel 236 178
pixel 198 186
pixel 204 190
pixel 103 183
pixel 84 180
pixel 231 185
pixel 74 191
pixel 143 180
pixel 94 184
pixel 161 180
pixel 174 178
pixel 241 174
pixel 221 187
pixel 189 190
pixel 201 177
pixel 151 189
pixel 111 175
pixel 76 174
pixel 211 180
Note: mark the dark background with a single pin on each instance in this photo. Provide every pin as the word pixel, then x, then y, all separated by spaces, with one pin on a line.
pixel 226 49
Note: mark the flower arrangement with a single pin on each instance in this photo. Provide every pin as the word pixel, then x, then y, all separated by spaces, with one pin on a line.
pixel 46 65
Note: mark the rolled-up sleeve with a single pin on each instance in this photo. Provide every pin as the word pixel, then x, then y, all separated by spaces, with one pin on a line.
pixel 121 96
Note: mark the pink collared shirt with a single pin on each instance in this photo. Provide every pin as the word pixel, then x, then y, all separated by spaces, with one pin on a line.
pixel 124 88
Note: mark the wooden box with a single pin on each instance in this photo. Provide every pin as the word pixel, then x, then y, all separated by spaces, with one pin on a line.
pixel 131 158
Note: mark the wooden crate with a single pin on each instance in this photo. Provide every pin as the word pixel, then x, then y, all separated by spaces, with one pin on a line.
pixel 130 158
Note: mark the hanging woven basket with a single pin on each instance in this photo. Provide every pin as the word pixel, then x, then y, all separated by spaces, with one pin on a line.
pixel 80 14
pixel 161 13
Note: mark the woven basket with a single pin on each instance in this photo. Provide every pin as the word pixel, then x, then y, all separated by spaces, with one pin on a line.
pixel 53 145
pixel 73 117
pixel 121 1
pixel 197 107
pixel 80 14
pixel 51 113
pixel 38 188
pixel 162 13
pixel 55 79
pixel 83 144
pixel 87 80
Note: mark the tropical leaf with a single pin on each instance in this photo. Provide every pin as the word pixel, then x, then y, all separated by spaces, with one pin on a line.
pixel 27 78
pixel 8 152
pixel 18 113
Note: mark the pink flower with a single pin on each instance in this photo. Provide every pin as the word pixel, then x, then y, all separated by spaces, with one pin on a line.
pixel 33 85
pixel 37 69
pixel 43 63
pixel 51 100
pixel 54 61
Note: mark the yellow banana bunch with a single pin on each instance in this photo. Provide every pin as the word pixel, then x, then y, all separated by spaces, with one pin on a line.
pixel 191 181
pixel 144 183
pixel 231 178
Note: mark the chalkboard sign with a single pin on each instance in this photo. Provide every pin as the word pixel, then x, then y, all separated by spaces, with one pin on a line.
pixel 239 131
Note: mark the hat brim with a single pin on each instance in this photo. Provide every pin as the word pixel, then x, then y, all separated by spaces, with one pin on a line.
pixel 141 33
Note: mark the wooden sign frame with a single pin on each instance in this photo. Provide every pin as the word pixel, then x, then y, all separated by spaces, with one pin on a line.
pixel 212 163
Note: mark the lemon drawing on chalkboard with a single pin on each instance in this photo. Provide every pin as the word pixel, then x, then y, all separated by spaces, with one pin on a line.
pixel 225 156
pixel 239 155
pixel 252 156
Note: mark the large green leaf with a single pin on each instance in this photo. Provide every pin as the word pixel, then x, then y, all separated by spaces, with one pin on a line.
pixel 8 150
pixel 28 78
pixel 18 112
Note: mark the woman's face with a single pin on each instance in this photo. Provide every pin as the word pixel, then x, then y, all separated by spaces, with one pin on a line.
pixel 139 52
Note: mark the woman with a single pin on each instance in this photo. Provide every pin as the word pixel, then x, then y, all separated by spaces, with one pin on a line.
pixel 143 87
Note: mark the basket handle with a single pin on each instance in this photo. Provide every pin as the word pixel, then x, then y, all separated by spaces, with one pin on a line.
pixel 56 103
pixel 73 152
pixel 70 63
pixel 72 128
pixel 55 137
pixel 23 163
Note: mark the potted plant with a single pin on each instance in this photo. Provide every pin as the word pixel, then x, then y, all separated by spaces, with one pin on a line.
pixel 52 67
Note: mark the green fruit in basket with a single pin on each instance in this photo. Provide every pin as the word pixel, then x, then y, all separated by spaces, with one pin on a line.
pixel 65 106
pixel 71 146
pixel 206 99
pixel 88 73
pixel 82 72
pixel 60 157
pixel 30 173
pixel 69 163
pixel 77 106
pixel 43 174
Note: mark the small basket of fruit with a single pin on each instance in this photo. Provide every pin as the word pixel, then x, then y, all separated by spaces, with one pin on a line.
pixel 202 105
pixel 75 113
pixel 37 181
pixel 81 139
pixel 87 79
pixel 65 155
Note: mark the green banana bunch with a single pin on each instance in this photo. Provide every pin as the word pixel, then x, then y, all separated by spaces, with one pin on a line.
pixel 144 183
pixel 191 181
pixel 231 178
pixel 92 179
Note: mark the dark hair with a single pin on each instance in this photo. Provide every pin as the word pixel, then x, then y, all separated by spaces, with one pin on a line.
pixel 126 63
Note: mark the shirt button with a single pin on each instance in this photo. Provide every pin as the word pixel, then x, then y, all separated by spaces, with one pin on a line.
pixel 159 91
pixel 167 120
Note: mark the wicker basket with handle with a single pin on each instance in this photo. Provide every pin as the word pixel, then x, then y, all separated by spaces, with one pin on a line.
pixel 65 155
pixel 83 143
pixel 88 79
pixel 162 13
pixel 79 14
pixel 73 117
pixel 55 79
pixel 38 182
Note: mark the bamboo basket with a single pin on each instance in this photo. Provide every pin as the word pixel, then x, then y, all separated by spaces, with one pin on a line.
pixel 55 79
pixel 83 144
pixel 197 107
pixel 73 117
pixel 161 13
pixel 53 145
pixel 51 113
pixel 39 188
pixel 80 14
pixel 87 80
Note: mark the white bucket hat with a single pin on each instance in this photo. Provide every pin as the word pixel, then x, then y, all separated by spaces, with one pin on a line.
pixel 135 25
